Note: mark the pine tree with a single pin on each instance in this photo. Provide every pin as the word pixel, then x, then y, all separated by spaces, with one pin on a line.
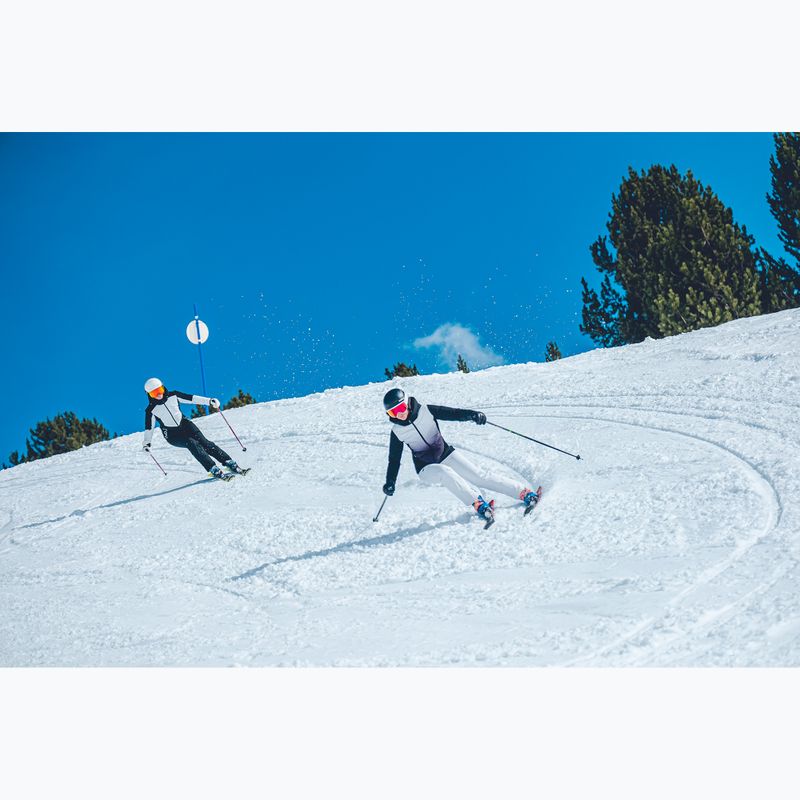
pixel 461 364
pixel 780 282
pixel 679 262
pixel 401 370
pixel 61 434
pixel 784 202
pixel 239 400
pixel 552 353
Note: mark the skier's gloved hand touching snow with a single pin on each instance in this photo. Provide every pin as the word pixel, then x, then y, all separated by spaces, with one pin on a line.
pixel 214 403
pixel 479 418
pixel 388 489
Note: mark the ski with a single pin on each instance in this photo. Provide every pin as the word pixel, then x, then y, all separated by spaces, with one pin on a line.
pixel 222 476
pixel 530 508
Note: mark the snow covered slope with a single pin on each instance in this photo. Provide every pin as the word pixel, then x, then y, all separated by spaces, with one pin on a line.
pixel 674 541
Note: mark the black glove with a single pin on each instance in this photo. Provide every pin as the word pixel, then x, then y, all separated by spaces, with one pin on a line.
pixel 478 417
pixel 388 489
pixel 146 448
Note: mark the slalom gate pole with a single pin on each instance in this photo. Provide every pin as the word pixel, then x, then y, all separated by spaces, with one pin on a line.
pixel 244 449
pixel 200 348
pixel 157 464
pixel 544 444
pixel 375 518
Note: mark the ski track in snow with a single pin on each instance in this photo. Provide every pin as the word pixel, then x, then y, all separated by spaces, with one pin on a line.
pixel 674 541
pixel 762 486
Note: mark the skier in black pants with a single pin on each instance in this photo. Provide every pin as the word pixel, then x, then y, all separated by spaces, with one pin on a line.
pixel 180 431
pixel 417 425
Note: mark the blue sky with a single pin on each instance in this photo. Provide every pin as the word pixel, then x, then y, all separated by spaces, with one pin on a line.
pixel 315 259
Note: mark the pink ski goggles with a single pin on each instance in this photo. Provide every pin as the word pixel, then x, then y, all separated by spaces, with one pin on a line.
pixel 400 408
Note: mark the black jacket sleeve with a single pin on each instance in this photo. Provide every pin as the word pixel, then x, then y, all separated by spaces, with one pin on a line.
pixel 148 417
pixel 395 454
pixel 183 395
pixel 452 414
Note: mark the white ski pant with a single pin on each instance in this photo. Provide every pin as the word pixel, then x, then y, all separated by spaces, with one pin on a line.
pixel 462 478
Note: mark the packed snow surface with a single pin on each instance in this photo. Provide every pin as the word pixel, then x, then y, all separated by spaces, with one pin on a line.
pixel 673 541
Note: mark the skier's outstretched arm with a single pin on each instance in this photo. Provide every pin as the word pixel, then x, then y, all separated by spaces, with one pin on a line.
pixel 457 414
pixel 395 454
pixel 196 399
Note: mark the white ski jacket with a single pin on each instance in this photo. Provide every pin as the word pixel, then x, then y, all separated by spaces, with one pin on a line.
pixel 420 432
pixel 167 412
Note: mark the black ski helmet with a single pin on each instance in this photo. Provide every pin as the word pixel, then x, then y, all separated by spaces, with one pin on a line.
pixel 392 398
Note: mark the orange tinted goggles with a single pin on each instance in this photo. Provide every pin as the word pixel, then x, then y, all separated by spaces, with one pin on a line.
pixel 157 392
pixel 398 409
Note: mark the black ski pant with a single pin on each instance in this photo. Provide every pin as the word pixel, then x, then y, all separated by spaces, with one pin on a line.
pixel 188 435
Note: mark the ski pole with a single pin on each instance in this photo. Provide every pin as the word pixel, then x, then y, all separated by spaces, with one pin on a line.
pixel 534 440
pixel 244 449
pixel 154 459
pixel 375 518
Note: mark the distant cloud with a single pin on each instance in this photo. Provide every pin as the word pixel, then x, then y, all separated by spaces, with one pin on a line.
pixel 453 339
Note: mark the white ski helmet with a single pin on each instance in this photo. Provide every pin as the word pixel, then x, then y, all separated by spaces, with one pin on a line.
pixel 151 384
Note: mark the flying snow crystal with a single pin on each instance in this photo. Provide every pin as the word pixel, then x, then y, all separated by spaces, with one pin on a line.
pixel 453 340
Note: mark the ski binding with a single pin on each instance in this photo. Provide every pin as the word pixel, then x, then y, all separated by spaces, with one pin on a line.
pixel 535 503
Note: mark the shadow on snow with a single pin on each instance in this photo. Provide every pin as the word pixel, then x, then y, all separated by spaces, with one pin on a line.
pixel 80 512
pixel 360 544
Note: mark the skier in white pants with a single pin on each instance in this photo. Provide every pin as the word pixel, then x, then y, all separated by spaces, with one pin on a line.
pixel 417 425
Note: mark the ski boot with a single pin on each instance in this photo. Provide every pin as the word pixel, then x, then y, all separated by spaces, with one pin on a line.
pixel 234 467
pixel 216 472
pixel 485 511
pixel 530 498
